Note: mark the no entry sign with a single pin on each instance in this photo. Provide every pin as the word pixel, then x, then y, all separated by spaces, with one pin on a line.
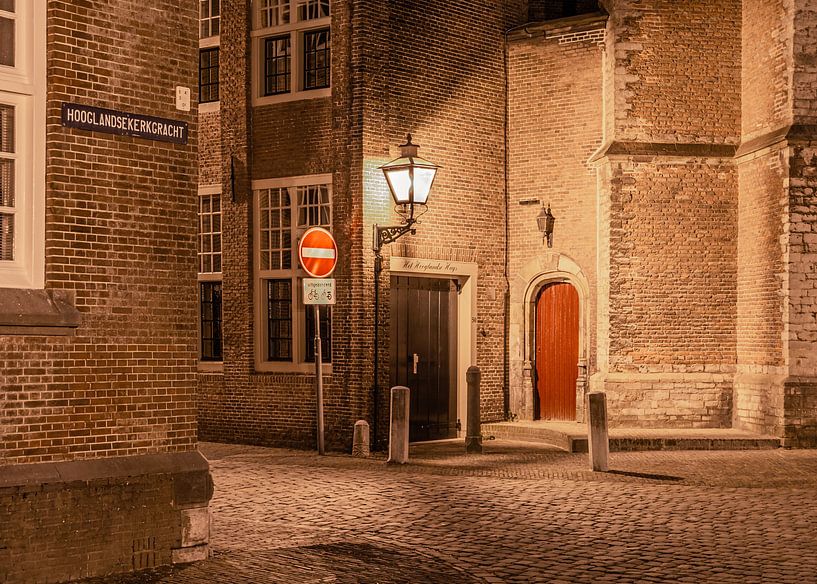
pixel 318 252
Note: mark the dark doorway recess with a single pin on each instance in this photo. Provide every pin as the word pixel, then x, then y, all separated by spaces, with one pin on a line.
pixel 423 353
pixel 557 351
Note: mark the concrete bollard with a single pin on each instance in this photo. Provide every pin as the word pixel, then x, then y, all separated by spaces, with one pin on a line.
pixel 473 434
pixel 399 425
pixel 597 440
pixel 360 441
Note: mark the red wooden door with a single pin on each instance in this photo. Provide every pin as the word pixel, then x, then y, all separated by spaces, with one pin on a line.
pixel 557 351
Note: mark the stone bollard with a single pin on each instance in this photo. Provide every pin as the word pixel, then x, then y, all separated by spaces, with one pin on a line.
pixel 597 440
pixel 473 434
pixel 360 442
pixel 399 425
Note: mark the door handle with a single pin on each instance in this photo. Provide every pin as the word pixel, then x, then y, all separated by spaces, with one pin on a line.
pixel 416 359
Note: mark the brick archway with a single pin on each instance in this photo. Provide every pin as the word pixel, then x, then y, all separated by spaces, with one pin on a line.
pixel 525 287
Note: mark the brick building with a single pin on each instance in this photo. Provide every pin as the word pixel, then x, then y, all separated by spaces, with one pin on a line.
pixel 99 471
pixel 673 142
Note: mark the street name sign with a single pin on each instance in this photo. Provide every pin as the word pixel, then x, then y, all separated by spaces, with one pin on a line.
pixel 319 290
pixel 318 252
pixel 97 119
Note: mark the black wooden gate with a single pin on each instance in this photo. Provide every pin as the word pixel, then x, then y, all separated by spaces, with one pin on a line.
pixel 424 353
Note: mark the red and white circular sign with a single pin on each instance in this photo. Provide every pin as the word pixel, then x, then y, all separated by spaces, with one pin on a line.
pixel 318 252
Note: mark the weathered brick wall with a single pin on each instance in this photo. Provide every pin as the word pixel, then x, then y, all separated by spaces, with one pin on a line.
pixel 443 81
pixel 291 139
pixel 455 109
pixel 677 70
pixel 555 126
pixel 209 148
pixel 766 63
pixel 120 233
pixel 121 237
pixel 775 387
pixel 672 108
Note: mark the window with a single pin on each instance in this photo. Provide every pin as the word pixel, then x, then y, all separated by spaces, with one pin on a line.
pixel 210 273
pixel 208 75
pixel 276 65
pixel 284 209
pixel 209 18
pixel 292 43
pixel 209 38
pixel 316 59
pixel 22 144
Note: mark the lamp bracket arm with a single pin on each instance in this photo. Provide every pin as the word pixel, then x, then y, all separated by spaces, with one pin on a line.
pixel 386 234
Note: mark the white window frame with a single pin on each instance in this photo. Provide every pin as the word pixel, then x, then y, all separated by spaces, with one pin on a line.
pixel 209 191
pixel 295 29
pixel 209 43
pixel 23 86
pixel 295 274
pixel 209 20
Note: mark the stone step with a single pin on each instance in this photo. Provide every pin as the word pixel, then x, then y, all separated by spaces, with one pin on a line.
pixel 572 437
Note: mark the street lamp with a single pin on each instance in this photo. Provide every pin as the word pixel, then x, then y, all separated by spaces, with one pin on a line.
pixel 409 178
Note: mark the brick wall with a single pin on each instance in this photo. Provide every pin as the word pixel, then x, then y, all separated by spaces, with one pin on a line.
pixel 388 78
pixel 677 70
pixel 672 104
pixel 555 126
pixel 120 238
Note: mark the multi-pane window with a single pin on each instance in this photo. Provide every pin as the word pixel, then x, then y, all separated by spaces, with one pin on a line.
pixel 210 294
pixel 287 330
pixel 7 163
pixel 277 65
pixel 275 220
pixel 22 143
pixel 273 13
pixel 209 18
pixel 210 233
pixel 8 18
pixel 316 59
pixel 210 274
pixel 279 320
pixel 312 9
pixel 292 45
pixel 208 75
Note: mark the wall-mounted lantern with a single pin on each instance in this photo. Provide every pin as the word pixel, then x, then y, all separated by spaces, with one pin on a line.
pixel 545 220
pixel 409 178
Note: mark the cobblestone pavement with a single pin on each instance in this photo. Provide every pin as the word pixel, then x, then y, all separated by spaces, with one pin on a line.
pixel 519 513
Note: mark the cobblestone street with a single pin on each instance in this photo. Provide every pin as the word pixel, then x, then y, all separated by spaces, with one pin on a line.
pixel 519 513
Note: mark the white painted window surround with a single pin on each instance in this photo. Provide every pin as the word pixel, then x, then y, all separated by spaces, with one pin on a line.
pixel 23 88
pixel 281 18
pixel 283 209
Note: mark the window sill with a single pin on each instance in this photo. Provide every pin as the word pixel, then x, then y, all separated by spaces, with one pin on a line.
pixel 209 107
pixel 293 96
pixel 210 366
pixel 309 368
pixel 38 312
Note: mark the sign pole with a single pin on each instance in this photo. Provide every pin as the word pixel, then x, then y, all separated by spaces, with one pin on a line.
pixel 319 377
pixel 318 255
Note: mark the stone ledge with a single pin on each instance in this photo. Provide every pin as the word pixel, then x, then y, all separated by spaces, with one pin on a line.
pixel 192 484
pixel 38 312
pixel 663 149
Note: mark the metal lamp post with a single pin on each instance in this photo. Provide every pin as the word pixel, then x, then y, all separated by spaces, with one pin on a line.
pixel 409 178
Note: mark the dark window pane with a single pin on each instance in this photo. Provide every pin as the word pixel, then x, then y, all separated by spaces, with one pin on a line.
pixel 276 65
pixel 279 320
pixel 7 5
pixel 6 237
pixel 326 334
pixel 316 59
pixel 211 321
pixel 208 75
pixel 6 42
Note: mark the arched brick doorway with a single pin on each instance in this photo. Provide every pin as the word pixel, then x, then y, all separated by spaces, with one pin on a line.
pixel 556 351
